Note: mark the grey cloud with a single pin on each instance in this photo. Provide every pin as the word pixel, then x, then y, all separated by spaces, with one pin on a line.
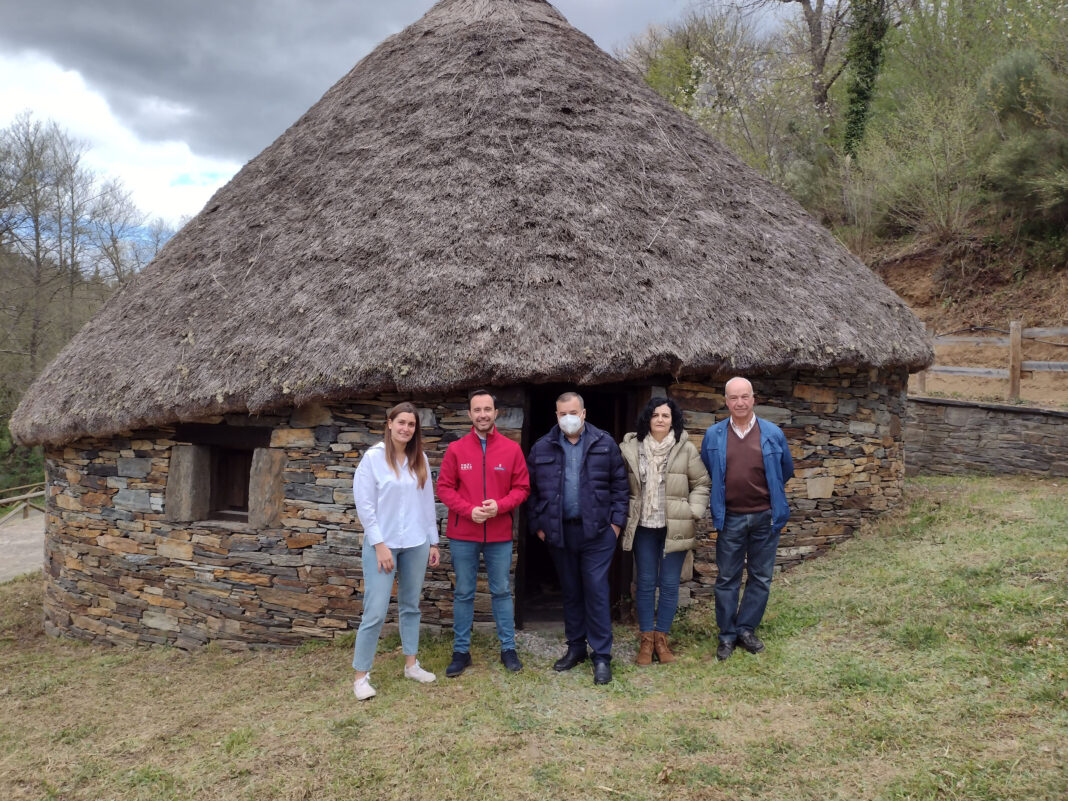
pixel 243 69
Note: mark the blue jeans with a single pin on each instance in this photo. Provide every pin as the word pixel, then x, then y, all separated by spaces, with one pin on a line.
pixel 745 541
pixel 409 568
pixel 583 568
pixel 498 556
pixel 656 570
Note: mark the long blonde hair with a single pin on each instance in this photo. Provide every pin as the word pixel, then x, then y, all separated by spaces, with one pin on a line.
pixel 414 449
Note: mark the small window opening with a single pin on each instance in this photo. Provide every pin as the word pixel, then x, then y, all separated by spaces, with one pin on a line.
pixel 230 471
pixel 216 484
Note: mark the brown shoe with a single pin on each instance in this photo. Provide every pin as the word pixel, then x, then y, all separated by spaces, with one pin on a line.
pixel 645 649
pixel 660 645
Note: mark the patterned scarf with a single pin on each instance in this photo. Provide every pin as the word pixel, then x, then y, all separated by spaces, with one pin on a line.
pixel 656 455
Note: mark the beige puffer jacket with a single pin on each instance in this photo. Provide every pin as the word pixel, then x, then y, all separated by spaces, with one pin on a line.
pixel 686 488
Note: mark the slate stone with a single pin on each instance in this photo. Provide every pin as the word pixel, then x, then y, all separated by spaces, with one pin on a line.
pixel 310 492
pixel 326 434
pixel 134 468
pixel 133 500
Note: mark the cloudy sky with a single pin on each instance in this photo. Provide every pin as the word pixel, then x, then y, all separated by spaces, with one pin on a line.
pixel 174 97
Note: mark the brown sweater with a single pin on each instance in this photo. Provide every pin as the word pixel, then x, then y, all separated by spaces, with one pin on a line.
pixel 745 483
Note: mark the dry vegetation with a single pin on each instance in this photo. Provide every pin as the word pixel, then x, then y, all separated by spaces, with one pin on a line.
pixel 949 300
pixel 925 660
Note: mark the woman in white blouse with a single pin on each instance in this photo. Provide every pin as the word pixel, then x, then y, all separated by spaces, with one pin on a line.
pixel 395 503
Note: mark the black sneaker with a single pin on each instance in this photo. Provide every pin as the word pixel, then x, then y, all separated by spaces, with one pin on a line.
pixel 723 652
pixel 510 660
pixel 750 642
pixel 460 662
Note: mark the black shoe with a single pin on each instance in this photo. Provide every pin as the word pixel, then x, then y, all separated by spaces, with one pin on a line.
pixel 510 660
pixel 750 642
pixel 570 659
pixel 460 662
pixel 724 651
pixel 602 672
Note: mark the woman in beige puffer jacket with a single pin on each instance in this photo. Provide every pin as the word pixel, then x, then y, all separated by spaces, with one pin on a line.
pixel 668 493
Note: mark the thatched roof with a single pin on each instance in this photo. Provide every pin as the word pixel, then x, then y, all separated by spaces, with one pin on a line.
pixel 487 198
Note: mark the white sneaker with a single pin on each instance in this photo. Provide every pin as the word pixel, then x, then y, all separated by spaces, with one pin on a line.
pixel 362 688
pixel 416 672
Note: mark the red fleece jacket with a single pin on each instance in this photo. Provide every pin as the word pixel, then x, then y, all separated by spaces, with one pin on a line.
pixel 467 478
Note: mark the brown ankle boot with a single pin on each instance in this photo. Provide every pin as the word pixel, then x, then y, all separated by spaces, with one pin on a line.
pixel 660 645
pixel 645 649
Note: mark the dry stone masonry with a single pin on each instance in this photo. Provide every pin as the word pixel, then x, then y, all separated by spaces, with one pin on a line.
pixel 119 571
pixel 845 433
pixel 128 562
pixel 950 437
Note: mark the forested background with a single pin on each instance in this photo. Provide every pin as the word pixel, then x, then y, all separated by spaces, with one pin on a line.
pixel 69 237
pixel 933 127
pixel 887 118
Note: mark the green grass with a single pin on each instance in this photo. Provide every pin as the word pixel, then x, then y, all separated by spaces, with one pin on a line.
pixel 924 660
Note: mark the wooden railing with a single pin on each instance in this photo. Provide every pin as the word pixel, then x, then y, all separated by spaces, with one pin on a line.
pixel 22 498
pixel 1016 368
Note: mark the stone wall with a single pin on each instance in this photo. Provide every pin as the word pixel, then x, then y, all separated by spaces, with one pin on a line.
pixel 120 568
pixel 949 437
pixel 845 433
pixel 119 571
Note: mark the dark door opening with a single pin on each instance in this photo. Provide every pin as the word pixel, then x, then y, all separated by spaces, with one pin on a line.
pixel 614 409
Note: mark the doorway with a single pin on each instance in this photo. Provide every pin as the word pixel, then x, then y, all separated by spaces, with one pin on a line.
pixel 612 408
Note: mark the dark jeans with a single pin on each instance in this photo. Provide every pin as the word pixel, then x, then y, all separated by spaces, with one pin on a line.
pixel 583 571
pixel 655 570
pixel 745 541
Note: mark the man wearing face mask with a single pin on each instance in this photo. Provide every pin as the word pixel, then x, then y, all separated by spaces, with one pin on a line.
pixel 578 505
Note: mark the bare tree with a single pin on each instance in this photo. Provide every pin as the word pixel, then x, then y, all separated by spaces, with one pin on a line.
pixel 33 230
pixel 819 38
pixel 153 237
pixel 66 240
pixel 118 224
pixel 74 187
pixel 743 83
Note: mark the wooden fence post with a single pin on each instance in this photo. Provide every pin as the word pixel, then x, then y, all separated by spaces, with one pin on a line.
pixel 1015 359
pixel 921 379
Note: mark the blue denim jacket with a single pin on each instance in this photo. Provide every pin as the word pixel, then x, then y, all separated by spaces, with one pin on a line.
pixel 778 469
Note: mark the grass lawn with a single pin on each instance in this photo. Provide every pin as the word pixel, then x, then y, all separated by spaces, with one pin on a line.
pixel 927 659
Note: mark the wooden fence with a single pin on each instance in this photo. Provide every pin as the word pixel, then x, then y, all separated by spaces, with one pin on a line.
pixel 22 497
pixel 1016 368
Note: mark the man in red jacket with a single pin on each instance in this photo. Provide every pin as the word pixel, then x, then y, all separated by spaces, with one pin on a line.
pixel 483 478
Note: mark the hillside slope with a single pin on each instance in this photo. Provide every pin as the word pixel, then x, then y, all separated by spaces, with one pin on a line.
pixel 963 287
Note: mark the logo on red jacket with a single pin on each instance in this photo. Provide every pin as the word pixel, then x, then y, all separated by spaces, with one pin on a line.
pixel 466 466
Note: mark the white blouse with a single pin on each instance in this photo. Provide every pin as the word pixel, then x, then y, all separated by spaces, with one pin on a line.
pixel 392 508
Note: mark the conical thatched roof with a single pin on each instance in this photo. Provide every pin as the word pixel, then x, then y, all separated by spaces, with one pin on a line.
pixel 485 198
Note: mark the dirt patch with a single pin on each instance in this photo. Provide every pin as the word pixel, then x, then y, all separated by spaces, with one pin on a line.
pixel 948 291
pixel 946 302
pixel 20 610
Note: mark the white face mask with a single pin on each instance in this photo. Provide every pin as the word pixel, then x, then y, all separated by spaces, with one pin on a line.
pixel 570 424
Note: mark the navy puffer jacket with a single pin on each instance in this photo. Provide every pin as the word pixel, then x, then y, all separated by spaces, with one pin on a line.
pixel 603 490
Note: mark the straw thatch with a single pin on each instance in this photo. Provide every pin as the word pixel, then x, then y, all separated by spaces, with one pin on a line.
pixel 485 198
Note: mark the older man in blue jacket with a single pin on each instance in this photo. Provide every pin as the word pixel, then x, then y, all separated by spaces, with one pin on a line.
pixel 578 505
pixel 749 461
